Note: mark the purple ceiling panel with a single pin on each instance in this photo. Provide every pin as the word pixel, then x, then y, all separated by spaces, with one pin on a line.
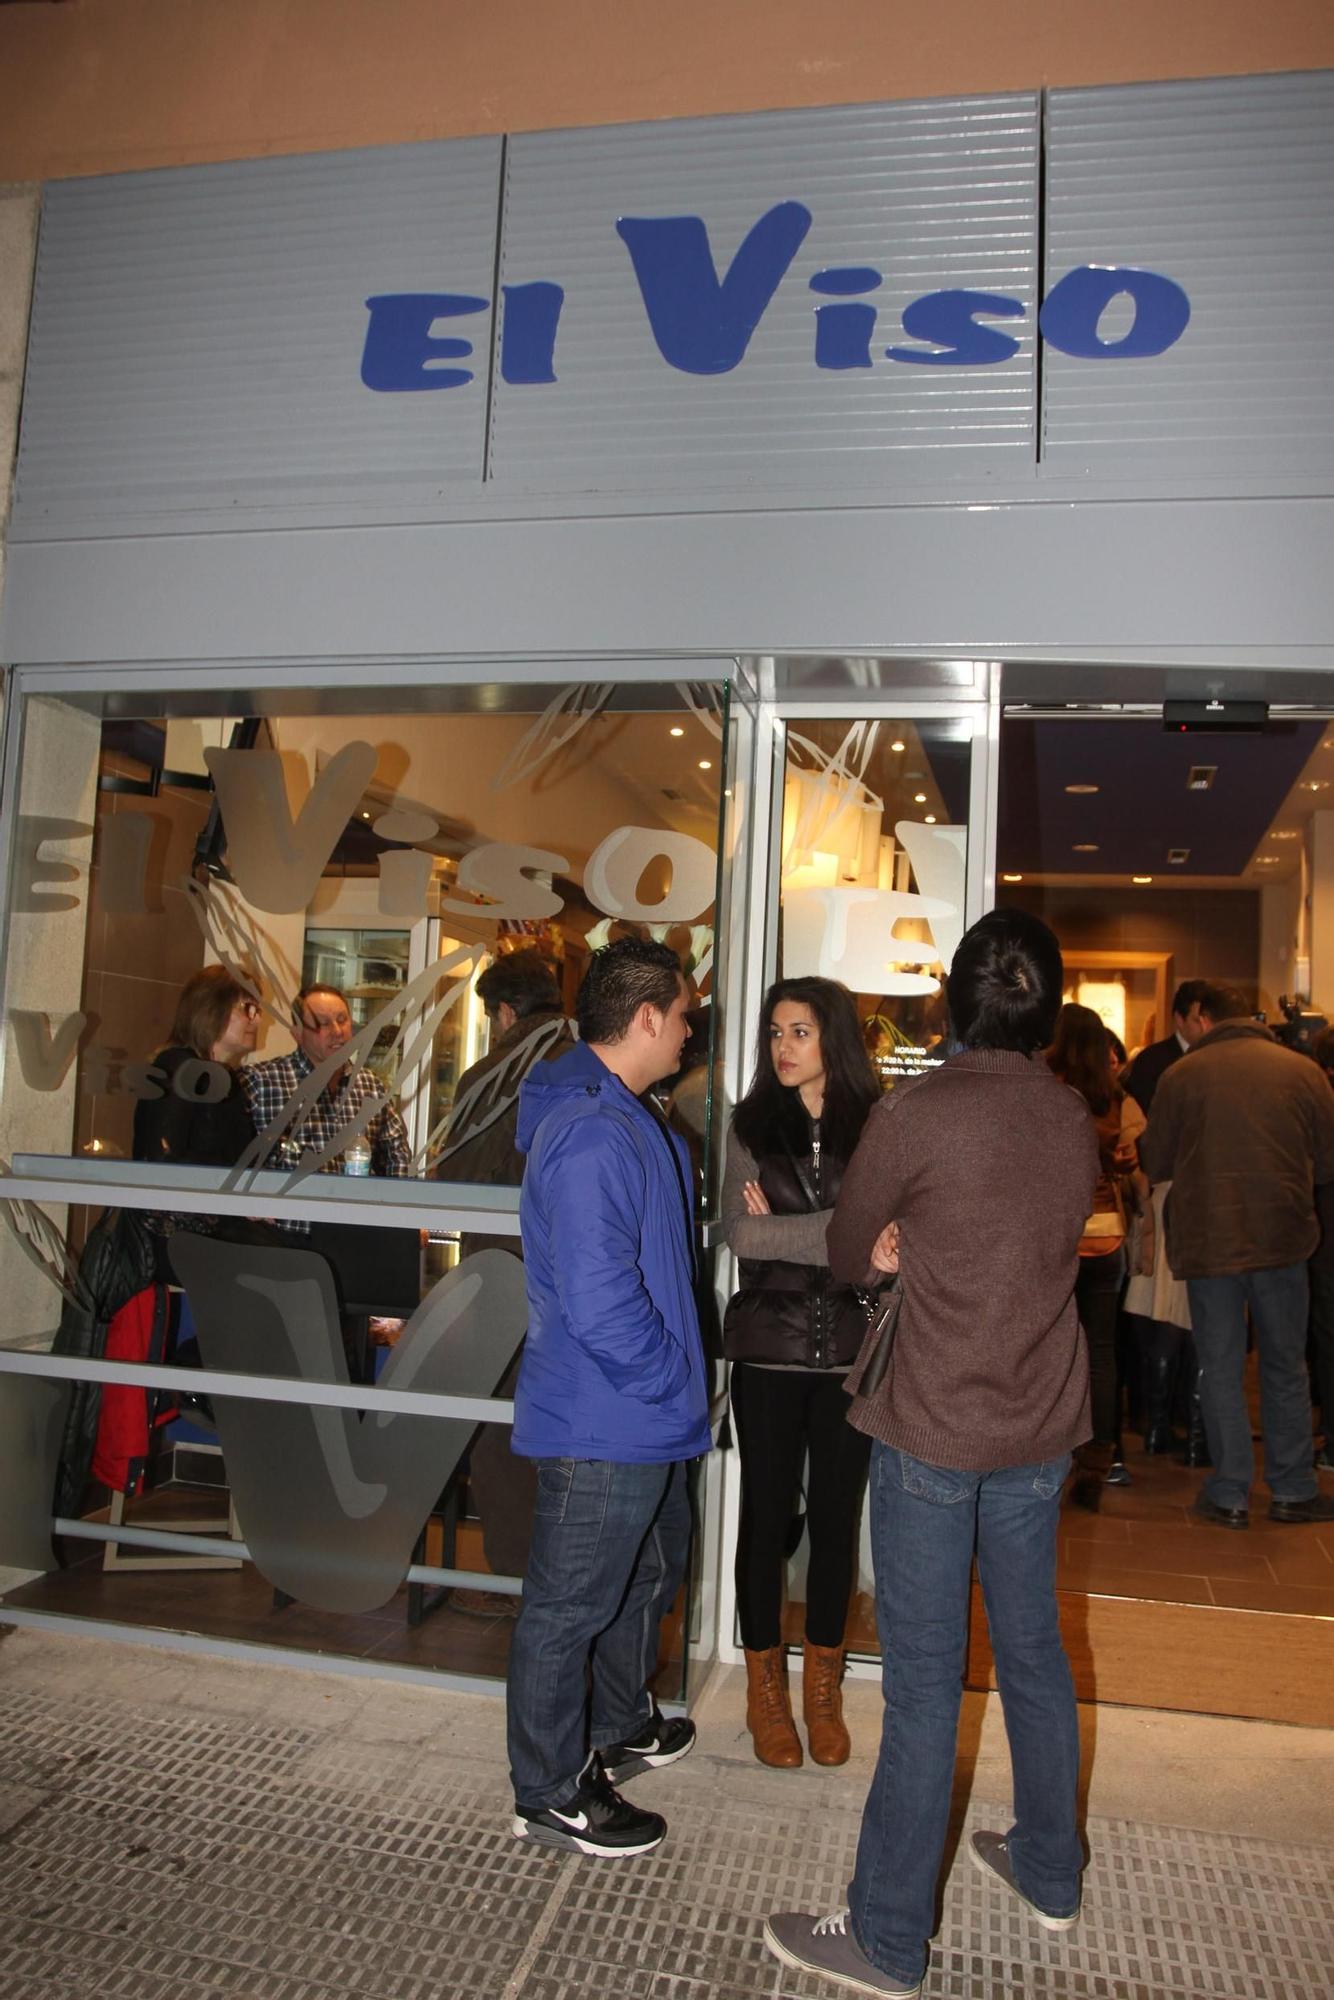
pixel 1142 806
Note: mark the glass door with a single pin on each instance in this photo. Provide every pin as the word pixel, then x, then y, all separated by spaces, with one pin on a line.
pixel 880 856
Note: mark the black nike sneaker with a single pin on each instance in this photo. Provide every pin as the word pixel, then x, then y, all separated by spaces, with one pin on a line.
pixel 659 1742
pixel 595 1820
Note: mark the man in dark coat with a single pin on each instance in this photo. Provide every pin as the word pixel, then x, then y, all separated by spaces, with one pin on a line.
pixel 523 1006
pixel 1244 1130
pixel 1151 1064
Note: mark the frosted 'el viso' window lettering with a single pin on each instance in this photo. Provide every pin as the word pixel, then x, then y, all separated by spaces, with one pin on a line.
pixel 248 943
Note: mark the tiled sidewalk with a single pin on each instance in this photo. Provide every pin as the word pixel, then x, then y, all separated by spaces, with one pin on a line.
pixel 174 1828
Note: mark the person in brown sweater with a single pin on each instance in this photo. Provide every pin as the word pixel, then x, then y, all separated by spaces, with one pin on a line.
pixel 987 1167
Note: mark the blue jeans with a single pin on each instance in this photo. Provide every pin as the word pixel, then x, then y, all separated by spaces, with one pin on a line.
pixel 1278 1301
pixel 925 1522
pixel 606 1560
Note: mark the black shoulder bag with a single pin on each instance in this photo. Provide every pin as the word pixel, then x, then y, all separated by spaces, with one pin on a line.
pixel 871 1365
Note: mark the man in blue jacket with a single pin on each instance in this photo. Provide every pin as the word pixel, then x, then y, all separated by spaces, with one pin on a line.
pixel 612 1404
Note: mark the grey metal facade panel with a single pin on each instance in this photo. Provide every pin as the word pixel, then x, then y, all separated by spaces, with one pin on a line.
pixel 933 195
pixel 1218 580
pixel 1226 186
pixel 197 335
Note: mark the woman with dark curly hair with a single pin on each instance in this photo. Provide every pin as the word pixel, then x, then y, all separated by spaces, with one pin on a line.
pixel 791 1334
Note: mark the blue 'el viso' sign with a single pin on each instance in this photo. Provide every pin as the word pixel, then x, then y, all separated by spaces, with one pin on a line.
pixel 702 324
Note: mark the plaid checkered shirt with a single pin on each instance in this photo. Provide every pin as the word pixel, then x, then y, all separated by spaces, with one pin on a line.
pixel 269 1085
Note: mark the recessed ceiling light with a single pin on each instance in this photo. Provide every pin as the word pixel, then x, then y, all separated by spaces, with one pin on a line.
pixel 919 798
pixel 1141 879
pixel 1200 777
pixel 1012 878
pixel 365 815
pixel 1266 861
pixel 704 764
pixel 1316 785
pixel 1285 833
pixel 929 819
pixel 1085 847
pixel 676 730
pixel 1178 856
pixel 896 745
pixel 1081 789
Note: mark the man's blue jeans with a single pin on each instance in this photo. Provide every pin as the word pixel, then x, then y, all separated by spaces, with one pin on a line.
pixel 606 1560
pixel 925 1522
pixel 1278 1301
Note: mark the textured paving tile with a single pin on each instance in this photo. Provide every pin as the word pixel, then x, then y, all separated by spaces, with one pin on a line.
pixel 160 1852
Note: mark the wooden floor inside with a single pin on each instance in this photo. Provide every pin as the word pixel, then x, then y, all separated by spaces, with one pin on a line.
pixel 238 1604
pixel 1158 1609
pixel 1161 1610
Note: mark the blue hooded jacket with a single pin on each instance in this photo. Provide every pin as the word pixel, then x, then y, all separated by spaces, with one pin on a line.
pixel 613 1367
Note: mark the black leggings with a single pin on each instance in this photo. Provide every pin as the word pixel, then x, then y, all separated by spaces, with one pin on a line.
pixel 781 1414
pixel 1098 1290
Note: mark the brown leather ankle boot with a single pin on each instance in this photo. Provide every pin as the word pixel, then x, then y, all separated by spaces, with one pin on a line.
pixel 822 1704
pixel 768 1710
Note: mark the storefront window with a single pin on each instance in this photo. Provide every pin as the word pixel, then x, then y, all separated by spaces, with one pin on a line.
pixel 350 867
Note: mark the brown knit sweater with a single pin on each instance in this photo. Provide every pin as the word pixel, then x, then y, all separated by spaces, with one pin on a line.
pixel 988 1166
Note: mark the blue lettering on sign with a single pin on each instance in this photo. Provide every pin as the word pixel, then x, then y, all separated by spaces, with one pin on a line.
pixel 528 332
pixel 947 318
pixel 401 352
pixel 703 324
pixel 1071 311
pixel 843 332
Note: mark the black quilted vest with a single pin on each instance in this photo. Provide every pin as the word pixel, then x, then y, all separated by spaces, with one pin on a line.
pixel 794 1313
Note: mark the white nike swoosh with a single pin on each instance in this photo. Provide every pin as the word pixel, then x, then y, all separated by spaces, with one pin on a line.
pixel 579 1820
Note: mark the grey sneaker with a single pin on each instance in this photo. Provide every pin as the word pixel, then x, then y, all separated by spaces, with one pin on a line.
pixel 826 1945
pixel 991 1854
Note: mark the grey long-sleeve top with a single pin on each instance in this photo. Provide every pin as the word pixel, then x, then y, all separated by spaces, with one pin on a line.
pixel 792 1239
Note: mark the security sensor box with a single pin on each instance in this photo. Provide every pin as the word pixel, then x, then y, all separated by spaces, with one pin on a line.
pixel 1216 716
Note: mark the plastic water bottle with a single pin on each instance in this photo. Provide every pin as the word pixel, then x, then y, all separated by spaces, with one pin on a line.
pixel 357 1158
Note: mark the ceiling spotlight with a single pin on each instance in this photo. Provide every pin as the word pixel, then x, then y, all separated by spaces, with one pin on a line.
pixel 704 764
pixel 919 798
pixel 1141 879
pixel 1082 790
pixel 365 815
pixel 896 745
pixel 676 730
pixel 1012 878
pixel 928 819
pixel 1316 785
pixel 1085 847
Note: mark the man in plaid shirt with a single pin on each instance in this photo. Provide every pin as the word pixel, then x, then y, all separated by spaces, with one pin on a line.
pixel 324 1025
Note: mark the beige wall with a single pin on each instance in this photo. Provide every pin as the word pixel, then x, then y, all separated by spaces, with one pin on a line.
pixel 108 85
pixel 18 244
